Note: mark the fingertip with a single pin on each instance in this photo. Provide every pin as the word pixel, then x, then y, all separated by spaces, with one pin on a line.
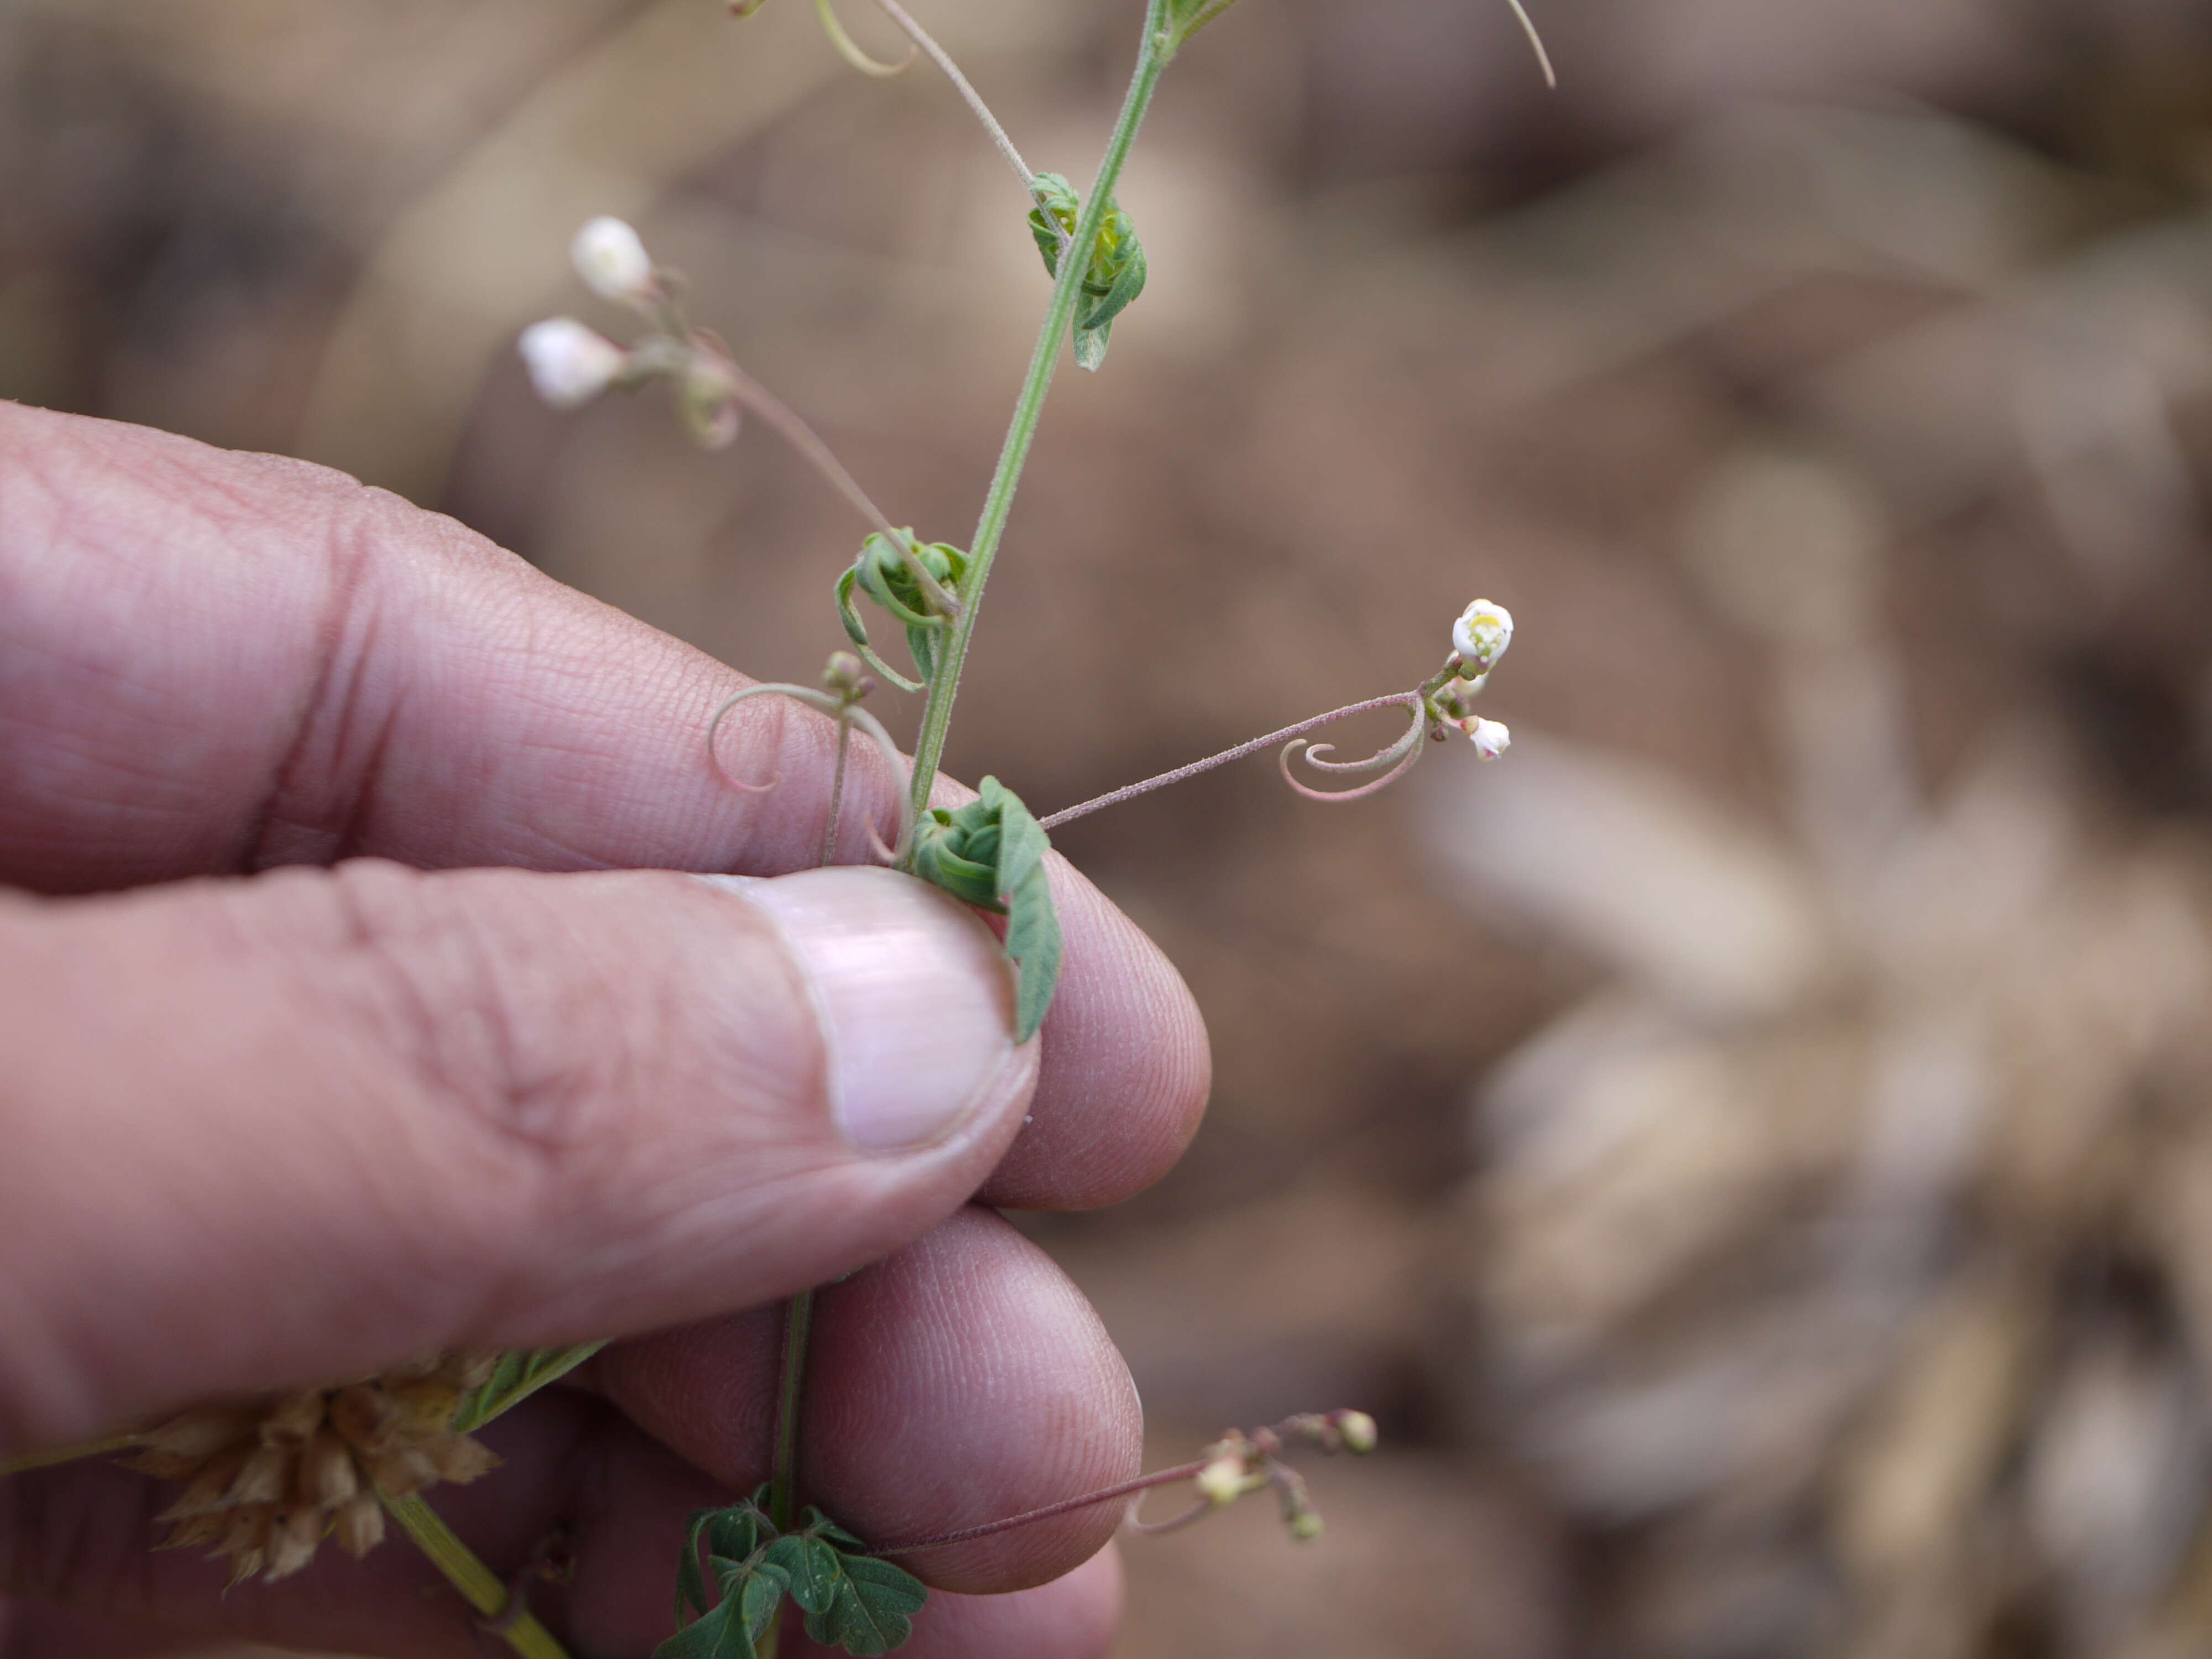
pixel 1126 1071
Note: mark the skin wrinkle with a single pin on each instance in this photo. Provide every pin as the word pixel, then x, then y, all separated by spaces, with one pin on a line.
pixel 342 594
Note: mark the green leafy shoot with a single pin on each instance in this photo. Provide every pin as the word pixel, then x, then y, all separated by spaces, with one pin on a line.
pixel 991 853
pixel 850 1600
pixel 520 1374
pixel 884 577
pixel 1116 275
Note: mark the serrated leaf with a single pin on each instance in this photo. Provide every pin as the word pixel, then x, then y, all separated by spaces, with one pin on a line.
pixel 520 1373
pixel 870 1609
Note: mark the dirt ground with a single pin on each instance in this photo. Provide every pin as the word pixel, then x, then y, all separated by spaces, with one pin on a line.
pixel 1750 1148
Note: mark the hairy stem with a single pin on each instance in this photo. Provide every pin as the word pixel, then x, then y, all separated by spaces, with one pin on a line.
pixel 1052 340
pixel 1130 791
pixel 804 439
pixel 1066 1506
pixel 974 100
pixel 504 1615
pixel 837 786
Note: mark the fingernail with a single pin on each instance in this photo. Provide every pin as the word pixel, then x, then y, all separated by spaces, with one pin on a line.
pixel 914 995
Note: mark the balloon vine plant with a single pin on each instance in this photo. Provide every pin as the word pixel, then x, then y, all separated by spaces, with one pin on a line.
pixel 266 1482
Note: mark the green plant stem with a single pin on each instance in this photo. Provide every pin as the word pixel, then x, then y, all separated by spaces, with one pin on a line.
pixel 466 1574
pixel 51 1455
pixel 783 1483
pixel 1052 340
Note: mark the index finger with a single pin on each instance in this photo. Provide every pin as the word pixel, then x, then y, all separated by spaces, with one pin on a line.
pixel 213 663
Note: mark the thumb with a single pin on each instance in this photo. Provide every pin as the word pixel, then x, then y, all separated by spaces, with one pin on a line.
pixel 256 1133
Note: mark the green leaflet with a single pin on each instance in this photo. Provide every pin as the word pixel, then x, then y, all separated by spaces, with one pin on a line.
pixel 850 1600
pixel 520 1374
pixel 1116 272
pixel 883 575
pixel 991 853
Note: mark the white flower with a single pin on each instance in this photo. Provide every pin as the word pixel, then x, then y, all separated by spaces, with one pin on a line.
pixel 1490 738
pixel 568 363
pixel 1220 1481
pixel 1482 633
pixel 611 260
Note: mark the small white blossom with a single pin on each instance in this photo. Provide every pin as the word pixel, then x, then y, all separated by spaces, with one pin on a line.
pixel 1222 1480
pixel 1482 633
pixel 570 364
pixel 612 259
pixel 1490 738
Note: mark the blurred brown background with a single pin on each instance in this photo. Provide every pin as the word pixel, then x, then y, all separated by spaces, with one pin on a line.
pixel 1752 1148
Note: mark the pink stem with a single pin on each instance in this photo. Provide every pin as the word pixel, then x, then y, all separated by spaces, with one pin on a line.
pixel 1130 791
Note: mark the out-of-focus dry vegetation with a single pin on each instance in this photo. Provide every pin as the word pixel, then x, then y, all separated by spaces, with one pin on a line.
pixel 1753 1148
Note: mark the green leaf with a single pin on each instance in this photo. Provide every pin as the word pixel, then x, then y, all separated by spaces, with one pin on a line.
pixel 813 1568
pixel 883 575
pixel 520 1373
pixel 1116 272
pixel 871 1607
pixel 991 853
pixel 758 1600
pixel 705 1638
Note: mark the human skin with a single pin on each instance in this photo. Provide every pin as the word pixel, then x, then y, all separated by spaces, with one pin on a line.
pixel 354 1005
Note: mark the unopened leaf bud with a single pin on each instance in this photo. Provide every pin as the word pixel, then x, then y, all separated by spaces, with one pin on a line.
pixel 1480 636
pixel 612 261
pixel 1490 738
pixel 568 363
pixel 1222 1482
pixel 1358 1428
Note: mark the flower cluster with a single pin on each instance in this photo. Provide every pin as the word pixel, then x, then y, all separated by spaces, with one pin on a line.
pixel 1480 639
pixel 266 1483
pixel 571 363
pixel 1239 1463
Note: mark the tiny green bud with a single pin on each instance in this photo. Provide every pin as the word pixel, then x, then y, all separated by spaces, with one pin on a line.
pixel 1358 1428
pixel 1305 1526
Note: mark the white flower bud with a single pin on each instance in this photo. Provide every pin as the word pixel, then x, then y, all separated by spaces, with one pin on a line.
pixel 568 363
pixel 1490 738
pixel 1482 633
pixel 611 260
pixel 1222 1480
pixel 1358 1428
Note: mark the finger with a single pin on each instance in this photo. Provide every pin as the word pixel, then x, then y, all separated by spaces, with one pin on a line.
pixel 214 663
pixel 296 1128
pixel 961 1381
pixel 580 1485
pixel 1071 1618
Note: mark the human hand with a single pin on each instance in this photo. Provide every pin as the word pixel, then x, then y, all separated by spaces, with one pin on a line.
pixel 328 1112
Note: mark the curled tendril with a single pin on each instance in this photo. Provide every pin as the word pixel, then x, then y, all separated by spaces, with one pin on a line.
pixel 849 50
pixel 1397 758
pixel 837 709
